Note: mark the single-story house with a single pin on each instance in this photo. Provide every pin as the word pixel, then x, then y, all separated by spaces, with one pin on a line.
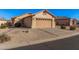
pixel 42 19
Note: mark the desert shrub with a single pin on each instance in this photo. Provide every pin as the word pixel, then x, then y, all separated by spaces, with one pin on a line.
pixel 72 27
pixel 63 27
pixel 4 38
pixel 17 25
pixel 25 31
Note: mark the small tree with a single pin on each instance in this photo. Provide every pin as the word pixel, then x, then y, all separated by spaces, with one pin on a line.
pixel 72 27
pixel 17 24
pixel 63 27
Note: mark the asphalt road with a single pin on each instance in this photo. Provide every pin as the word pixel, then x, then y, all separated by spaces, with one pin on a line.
pixel 71 43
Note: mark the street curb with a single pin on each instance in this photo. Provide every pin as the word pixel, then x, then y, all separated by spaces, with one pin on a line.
pixel 52 39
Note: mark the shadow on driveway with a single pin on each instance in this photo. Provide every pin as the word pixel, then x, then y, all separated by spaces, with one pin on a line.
pixel 71 43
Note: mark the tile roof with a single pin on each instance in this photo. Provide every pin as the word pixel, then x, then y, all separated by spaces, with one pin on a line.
pixel 62 17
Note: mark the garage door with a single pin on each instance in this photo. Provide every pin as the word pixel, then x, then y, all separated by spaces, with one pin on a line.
pixel 43 23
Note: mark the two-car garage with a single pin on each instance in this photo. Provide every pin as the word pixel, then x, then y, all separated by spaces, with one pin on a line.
pixel 43 23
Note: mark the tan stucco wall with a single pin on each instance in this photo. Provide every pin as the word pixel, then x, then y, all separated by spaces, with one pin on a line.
pixel 53 23
pixel 33 22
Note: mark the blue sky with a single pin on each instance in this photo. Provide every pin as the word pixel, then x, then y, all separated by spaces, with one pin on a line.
pixel 8 13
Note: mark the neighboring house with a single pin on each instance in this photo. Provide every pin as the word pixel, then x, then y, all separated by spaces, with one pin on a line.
pixel 42 19
pixel 61 20
pixel 73 22
pixel 2 21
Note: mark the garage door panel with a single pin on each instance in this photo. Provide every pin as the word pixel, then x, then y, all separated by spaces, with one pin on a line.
pixel 43 23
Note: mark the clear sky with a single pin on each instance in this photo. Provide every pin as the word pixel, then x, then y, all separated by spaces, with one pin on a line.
pixel 8 13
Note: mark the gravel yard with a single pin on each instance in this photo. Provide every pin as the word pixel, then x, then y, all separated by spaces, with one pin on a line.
pixel 23 36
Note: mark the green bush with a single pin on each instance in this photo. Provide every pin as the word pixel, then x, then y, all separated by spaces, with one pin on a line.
pixel 63 27
pixel 72 27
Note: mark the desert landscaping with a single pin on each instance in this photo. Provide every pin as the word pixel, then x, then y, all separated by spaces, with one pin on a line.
pixel 29 29
pixel 25 36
